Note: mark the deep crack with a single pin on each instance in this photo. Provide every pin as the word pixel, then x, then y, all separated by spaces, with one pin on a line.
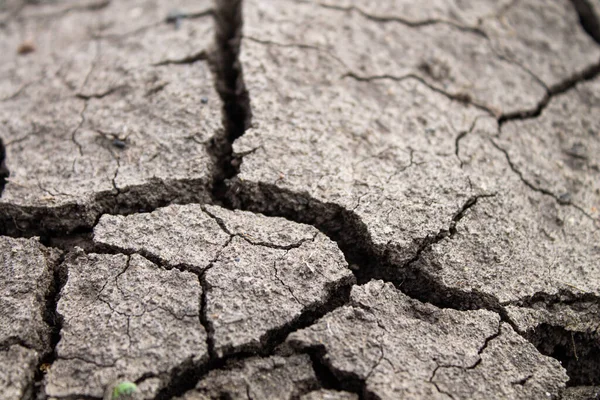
pixel 578 352
pixel 4 172
pixel 587 18
pixel 54 321
pixel 228 68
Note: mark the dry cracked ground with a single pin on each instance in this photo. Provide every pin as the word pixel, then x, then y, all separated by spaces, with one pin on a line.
pixel 300 199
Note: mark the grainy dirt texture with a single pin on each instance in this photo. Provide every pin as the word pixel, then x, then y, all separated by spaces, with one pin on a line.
pixel 258 378
pixel 299 199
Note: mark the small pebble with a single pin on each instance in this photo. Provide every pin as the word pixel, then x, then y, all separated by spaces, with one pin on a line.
pixel 119 143
pixel 565 197
pixel 204 100
pixel 26 47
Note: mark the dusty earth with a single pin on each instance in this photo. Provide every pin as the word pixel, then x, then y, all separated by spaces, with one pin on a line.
pixel 300 199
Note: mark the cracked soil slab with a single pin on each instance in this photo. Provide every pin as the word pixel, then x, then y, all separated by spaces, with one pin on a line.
pixel 18 372
pixel 328 394
pixel 275 377
pixel 566 137
pixel 401 348
pixel 505 65
pixel 260 274
pixel 123 317
pixel 26 287
pixel 105 126
pixel 524 253
pixel 383 150
pixel 424 182
pixel 26 282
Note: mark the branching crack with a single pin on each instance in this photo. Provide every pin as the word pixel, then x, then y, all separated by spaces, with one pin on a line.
pixel 564 86
pixel 480 351
pixel 343 226
pixel 251 240
pixel 461 136
pixel 434 383
pixel 560 200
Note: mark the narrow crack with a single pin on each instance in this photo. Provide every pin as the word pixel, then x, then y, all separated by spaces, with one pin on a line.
pixel 461 97
pixel 461 136
pixel 18 92
pixel 90 7
pixel 400 20
pixel 559 199
pixel 76 129
pixel 282 283
pixel 251 240
pixel 190 59
pixel 302 46
pixel 432 381
pixel 485 346
pixel 100 95
pixel 54 320
pixel 176 16
pixel 469 367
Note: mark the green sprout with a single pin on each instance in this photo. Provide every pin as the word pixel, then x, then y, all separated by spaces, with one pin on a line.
pixel 124 388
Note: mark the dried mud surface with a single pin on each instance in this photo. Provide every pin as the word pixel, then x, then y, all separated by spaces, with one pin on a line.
pixel 300 199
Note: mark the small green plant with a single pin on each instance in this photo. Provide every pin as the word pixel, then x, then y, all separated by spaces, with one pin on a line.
pixel 124 388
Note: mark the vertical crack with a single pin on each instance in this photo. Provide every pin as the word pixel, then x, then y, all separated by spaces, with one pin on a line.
pixel 229 84
pixel 4 172
pixel 54 321
pixel 228 68
pixel 578 352
pixel 204 320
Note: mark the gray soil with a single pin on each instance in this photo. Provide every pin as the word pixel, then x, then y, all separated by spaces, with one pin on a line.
pixel 300 199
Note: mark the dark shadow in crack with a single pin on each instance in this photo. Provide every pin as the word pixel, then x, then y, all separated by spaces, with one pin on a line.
pixel 588 19
pixel 4 172
pixel 578 352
